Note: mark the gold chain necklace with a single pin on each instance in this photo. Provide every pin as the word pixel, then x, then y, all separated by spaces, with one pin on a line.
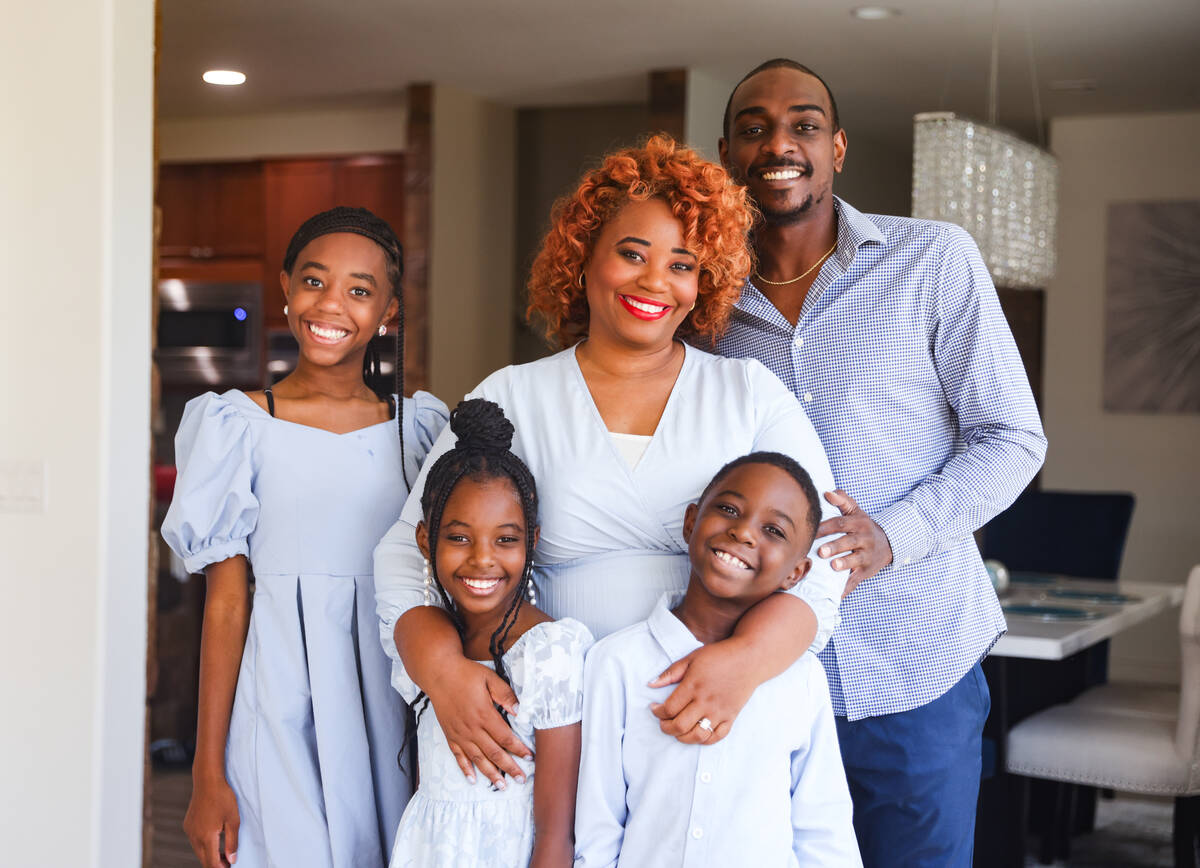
pixel 807 272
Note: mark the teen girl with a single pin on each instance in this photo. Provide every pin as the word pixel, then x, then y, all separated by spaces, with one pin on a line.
pixel 477 535
pixel 299 732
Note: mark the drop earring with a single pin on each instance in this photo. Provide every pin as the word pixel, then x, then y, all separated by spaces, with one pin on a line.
pixel 428 584
pixel 383 329
pixel 530 590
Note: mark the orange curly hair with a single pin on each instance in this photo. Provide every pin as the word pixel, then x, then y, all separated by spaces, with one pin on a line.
pixel 716 217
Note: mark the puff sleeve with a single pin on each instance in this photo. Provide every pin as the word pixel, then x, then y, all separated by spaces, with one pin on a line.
pixel 214 509
pixel 425 416
pixel 552 659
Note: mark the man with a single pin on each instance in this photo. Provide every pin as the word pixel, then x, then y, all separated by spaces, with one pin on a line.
pixel 889 331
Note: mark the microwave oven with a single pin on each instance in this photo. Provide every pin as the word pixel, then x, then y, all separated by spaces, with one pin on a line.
pixel 209 333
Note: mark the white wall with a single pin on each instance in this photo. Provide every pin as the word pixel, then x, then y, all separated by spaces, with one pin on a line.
pixel 472 241
pixel 75 238
pixel 1157 457
pixel 284 134
pixel 704 110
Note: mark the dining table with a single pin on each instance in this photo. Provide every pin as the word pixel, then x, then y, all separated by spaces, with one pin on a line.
pixel 1052 617
pixel 1054 622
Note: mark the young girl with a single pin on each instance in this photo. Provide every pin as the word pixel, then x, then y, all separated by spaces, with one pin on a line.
pixel 298 765
pixel 478 535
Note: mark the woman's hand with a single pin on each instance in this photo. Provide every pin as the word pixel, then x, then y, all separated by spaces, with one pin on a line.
pixel 465 704
pixel 211 811
pixel 715 682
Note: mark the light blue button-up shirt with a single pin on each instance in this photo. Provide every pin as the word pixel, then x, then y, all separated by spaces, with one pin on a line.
pixel 907 368
pixel 772 793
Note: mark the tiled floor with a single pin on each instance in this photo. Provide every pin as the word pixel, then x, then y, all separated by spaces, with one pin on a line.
pixel 1130 832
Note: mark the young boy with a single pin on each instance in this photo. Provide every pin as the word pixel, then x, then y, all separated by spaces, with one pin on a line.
pixel 773 791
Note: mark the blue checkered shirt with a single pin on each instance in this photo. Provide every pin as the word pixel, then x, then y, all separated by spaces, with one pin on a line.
pixel 906 365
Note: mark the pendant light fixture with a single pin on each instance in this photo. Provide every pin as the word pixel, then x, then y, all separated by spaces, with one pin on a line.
pixel 1000 188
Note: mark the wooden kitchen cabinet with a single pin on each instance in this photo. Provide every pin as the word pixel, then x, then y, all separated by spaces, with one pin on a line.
pixel 211 210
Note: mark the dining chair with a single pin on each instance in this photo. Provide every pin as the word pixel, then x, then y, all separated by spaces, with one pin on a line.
pixel 1069 533
pixel 1131 745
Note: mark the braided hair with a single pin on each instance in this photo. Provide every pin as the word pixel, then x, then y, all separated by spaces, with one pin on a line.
pixel 362 222
pixel 483 451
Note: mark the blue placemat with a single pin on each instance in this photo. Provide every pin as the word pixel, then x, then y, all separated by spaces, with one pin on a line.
pixel 1091 596
pixel 1024 578
pixel 1049 613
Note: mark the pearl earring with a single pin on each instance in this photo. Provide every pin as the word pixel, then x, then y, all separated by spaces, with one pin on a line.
pixel 531 591
pixel 428 584
pixel 285 310
pixel 383 330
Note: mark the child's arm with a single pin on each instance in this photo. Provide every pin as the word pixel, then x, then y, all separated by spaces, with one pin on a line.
pixel 822 814
pixel 554 796
pixel 213 806
pixel 600 809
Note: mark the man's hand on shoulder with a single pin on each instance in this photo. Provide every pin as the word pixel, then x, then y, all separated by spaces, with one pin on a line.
pixel 863 549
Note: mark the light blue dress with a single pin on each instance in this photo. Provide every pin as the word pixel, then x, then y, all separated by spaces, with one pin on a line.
pixel 453 823
pixel 316 728
pixel 611 536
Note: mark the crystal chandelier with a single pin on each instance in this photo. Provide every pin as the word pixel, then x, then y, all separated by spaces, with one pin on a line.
pixel 1002 190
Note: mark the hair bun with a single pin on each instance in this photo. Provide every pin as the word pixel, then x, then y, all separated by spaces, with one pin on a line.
pixel 481 425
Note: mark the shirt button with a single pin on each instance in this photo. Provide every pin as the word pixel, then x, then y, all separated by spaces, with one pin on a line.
pixel 799 342
pixel 706 777
pixel 808 397
pixel 697 832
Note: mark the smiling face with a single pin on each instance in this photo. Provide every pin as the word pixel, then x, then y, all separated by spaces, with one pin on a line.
pixel 782 144
pixel 338 294
pixel 750 535
pixel 641 280
pixel 480 547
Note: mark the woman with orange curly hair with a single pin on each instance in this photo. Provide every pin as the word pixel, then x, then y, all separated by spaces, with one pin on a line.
pixel 622 429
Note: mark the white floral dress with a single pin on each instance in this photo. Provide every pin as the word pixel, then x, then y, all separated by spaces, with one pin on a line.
pixel 453 823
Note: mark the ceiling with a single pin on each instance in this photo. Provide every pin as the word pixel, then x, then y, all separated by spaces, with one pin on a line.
pixel 1143 55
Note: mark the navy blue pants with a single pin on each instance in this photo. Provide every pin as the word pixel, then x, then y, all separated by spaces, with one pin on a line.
pixel 914 778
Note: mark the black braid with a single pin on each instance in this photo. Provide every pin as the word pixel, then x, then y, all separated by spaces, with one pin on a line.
pixel 483 451
pixel 398 378
pixel 362 222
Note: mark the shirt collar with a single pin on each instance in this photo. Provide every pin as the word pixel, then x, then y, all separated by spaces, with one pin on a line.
pixel 854 230
pixel 675 638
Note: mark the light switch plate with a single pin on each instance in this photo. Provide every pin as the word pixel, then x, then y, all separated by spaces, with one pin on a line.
pixel 22 485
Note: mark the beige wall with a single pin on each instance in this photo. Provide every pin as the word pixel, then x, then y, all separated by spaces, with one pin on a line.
pixel 284 134
pixel 704 110
pixel 471 241
pixel 554 147
pixel 75 237
pixel 1157 457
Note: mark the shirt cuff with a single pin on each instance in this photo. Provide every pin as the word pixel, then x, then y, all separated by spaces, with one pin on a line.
pixel 907 532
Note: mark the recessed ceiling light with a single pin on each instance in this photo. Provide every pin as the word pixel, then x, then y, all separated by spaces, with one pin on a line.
pixel 226 77
pixel 874 13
